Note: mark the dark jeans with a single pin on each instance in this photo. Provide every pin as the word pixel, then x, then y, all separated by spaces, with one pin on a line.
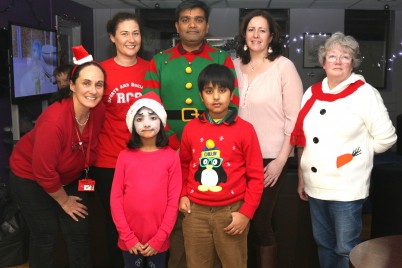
pixel 45 218
pixel 261 231
pixel 139 261
pixel 104 179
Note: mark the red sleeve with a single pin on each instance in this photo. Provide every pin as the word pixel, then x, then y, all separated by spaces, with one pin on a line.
pixel 46 154
pixel 185 159
pixel 254 173
pixel 116 205
pixel 174 142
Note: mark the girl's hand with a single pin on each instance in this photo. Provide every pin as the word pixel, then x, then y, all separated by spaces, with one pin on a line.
pixel 272 171
pixel 238 225
pixel 148 250
pixel 136 249
pixel 75 208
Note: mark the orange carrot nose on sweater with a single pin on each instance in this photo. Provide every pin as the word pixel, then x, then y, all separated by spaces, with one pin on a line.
pixel 346 158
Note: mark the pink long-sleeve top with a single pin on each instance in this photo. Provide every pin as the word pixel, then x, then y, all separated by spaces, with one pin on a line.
pixel 271 103
pixel 144 198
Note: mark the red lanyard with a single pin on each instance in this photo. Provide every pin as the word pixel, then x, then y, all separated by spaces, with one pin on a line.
pixel 88 152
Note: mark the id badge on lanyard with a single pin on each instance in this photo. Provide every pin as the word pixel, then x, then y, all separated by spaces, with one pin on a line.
pixel 86 184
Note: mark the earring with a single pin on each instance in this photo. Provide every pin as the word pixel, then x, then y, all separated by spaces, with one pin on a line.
pixel 245 47
pixel 270 50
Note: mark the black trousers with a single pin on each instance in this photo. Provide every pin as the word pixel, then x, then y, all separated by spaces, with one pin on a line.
pixel 261 231
pixel 45 218
pixel 104 179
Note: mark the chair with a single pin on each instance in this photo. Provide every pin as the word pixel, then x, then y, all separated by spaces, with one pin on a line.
pixel 386 200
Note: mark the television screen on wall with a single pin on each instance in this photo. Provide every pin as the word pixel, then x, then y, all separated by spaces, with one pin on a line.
pixel 33 58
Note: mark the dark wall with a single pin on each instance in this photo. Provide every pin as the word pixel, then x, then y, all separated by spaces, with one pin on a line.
pixel 37 13
pixel 42 13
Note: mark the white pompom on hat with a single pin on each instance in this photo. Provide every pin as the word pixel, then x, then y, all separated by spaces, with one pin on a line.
pixel 150 100
pixel 81 55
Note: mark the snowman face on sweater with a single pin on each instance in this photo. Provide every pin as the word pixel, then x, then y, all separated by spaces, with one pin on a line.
pixel 146 123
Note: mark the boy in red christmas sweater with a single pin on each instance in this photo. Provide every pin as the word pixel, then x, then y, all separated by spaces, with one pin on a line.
pixel 222 176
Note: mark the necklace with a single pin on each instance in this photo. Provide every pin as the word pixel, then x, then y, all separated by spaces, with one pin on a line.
pixel 252 67
pixel 86 121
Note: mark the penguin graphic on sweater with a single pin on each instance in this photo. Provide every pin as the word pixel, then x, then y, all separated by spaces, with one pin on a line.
pixel 210 172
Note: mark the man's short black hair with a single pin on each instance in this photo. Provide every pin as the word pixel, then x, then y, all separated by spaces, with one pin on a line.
pixel 190 4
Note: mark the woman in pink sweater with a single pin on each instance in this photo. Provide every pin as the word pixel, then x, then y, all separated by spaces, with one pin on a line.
pixel 146 186
pixel 270 96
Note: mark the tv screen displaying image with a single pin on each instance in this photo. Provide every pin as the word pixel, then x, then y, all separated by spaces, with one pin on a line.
pixel 33 60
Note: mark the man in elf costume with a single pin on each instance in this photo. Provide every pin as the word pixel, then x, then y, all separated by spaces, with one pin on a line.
pixel 174 72
pixel 173 76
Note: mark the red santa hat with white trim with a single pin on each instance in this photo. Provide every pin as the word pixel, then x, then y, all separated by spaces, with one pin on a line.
pixel 81 55
pixel 150 100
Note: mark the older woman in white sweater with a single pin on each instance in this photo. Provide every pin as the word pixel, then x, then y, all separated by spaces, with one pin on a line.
pixel 342 124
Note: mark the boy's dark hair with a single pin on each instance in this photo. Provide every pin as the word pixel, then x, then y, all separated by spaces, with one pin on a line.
pixel 111 26
pixel 190 4
pixel 63 69
pixel 161 138
pixel 66 92
pixel 218 75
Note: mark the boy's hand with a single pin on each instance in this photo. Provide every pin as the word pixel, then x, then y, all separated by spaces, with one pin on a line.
pixel 148 250
pixel 238 225
pixel 136 249
pixel 184 205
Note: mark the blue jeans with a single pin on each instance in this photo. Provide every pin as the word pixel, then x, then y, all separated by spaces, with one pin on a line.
pixel 337 227
pixel 139 261
pixel 45 218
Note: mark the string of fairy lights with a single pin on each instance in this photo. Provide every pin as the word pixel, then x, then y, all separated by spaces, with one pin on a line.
pixel 297 42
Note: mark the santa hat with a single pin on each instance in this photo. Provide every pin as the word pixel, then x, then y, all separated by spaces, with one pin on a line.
pixel 81 55
pixel 150 100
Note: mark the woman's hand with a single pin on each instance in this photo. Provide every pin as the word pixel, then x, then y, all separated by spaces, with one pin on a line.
pixel 74 207
pixel 272 171
pixel 70 204
pixel 238 225
pixel 300 185
pixel 300 188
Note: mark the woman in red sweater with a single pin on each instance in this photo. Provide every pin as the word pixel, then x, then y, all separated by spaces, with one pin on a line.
pixel 48 161
pixel 124 82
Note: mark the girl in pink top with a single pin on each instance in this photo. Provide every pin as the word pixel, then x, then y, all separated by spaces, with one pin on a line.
pixel 146 187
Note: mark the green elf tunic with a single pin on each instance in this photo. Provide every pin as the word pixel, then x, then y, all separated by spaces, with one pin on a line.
pixel 173 76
